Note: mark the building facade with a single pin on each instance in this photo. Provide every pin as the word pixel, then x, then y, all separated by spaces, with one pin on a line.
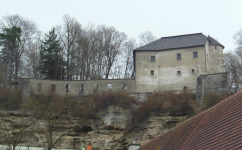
pixel 191 62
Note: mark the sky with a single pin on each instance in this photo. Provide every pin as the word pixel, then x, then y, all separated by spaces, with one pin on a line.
pixel 220 19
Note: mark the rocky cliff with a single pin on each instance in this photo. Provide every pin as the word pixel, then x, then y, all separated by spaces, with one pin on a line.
pixel 112 129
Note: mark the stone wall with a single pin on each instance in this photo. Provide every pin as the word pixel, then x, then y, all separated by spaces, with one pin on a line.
pixel 211 83
pixel 80 88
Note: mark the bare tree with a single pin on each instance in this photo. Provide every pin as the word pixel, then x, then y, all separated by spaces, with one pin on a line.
pixel 112 42
pixel 69 33
pixel 232 63
pixel 127 55
pixel 51 138
pixel 14 134
pixel 146 37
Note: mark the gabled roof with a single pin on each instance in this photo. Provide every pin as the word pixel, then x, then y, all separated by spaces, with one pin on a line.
pixel 219 127
pixel 180 41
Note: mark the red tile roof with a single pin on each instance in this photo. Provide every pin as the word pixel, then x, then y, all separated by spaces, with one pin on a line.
pixel 219 127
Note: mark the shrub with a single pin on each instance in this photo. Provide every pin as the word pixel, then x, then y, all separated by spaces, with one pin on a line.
pixel 211 99
pixel 10 99
pixel 164 103
pixel 119 98
pixel 181 103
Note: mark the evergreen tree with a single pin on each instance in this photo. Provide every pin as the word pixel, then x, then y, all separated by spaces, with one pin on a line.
pixel 51 62
pixel 9 44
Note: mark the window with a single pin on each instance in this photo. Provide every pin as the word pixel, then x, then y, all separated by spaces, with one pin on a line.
pixel 95 88
pixel 192 70
pixel 194 54
pixel 110 86
pixel 178 56
pixel 178 72
pixel 215 47
pixel 52 87
pixel 184 88
pixel 38 86
pixel 68 87
pixel 152 72
pixel 152 58
pixel 82 88
pixel 124 86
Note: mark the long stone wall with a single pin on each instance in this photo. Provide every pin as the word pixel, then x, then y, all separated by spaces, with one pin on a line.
pixel 80 88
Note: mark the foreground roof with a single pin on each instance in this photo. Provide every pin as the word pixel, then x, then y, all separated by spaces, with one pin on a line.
pixel 218 127
pixel 180 41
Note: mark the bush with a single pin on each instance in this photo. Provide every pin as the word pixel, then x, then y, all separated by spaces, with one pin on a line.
pixel 211 99
pixel 181 103
pixel 120 99
pixel 164 103
pixel 10 99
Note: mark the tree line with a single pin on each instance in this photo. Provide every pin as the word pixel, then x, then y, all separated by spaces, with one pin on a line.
pixel 69 51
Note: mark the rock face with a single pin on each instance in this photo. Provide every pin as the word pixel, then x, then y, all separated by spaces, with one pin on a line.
pixel 108 131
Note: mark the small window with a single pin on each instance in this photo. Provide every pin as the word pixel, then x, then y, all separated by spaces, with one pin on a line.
pixel 192 70
pixel 194 54
pixel 178 72
pixel 178 56
pixel 82 88
pixel 95 88
pixel 184 88
pixel 124 86
pixel 152 72
pixel 152 58
pixel 215 47
pixel 38 86
pixel 68 87
pixel 52 87
pixel 110 87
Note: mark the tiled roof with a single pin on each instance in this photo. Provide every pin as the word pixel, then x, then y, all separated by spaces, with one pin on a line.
pixel 219 127
pixel 180 41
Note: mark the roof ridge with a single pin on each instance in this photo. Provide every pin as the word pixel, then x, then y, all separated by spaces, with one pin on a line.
pixel 181 35
pixel 203 112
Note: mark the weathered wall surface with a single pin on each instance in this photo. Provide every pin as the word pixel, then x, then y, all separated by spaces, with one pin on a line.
pixel 211 83
pixel 75 86
pixel 24 86
pixel 215 57
pixel 166 67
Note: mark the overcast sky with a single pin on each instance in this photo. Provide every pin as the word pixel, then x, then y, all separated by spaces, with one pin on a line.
pixel 220 19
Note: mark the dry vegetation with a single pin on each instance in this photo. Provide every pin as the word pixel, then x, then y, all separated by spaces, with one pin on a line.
pixel 52 107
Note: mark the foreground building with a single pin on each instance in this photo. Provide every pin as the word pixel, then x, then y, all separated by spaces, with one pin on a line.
pixel 191 62
pixel 218 127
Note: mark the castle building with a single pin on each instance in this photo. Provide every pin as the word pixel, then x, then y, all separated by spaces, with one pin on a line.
pixel 191 62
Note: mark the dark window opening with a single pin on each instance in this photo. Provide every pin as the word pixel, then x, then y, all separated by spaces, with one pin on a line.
pixel 95 88
pixel 178 56
pixel 152 58
pixel 110 87
pixel 38 86
pixel 82 88
pixel 192 70
pixel 184 88
pixel 224 84
pixel 178 72
pixel 52 87
pixel 215 47
pixel 194 54
pixel 124 86
pixel 152 73
pixel 68 87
